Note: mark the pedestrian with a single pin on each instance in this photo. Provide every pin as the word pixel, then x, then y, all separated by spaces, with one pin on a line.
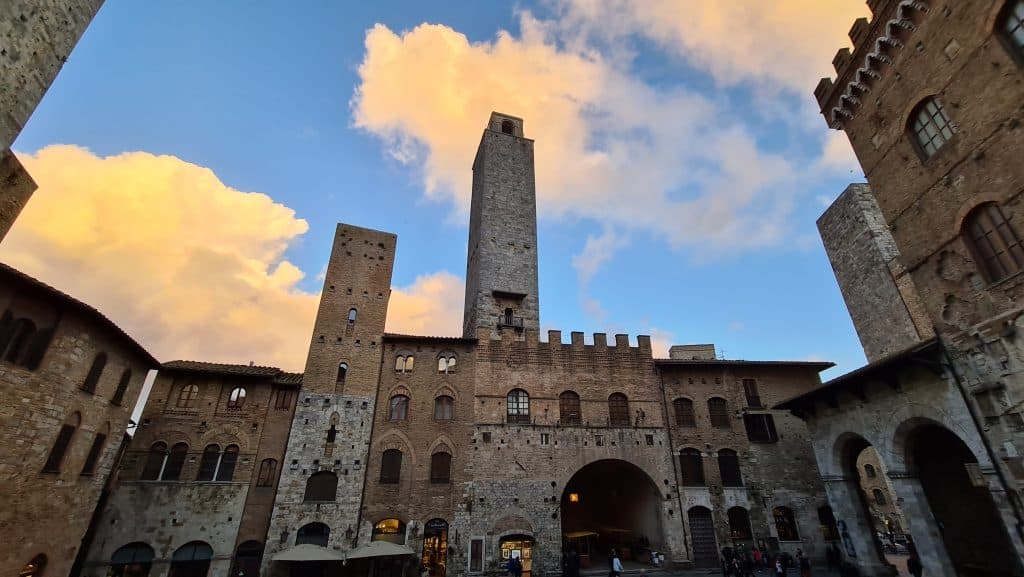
pixel 616 565
pixel 803 563
pixel 914 561
pixel 756 553
pixel 780 566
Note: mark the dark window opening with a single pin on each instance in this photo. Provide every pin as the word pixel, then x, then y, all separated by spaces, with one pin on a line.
pixel 750 392
pixel 760 428
pixel 691 465
pixel 569 408
pixel 95 371
pixel 440 468
pixel 313 534
pixel 739 524
pixel 175 462
pixel 154 462
pixel 785 524
pixel 268 471
pixel 718 410
pixel 332 434
pixel 1010 25
pixel 684 412
pixel 342 373
pixel 226 469
pixel 729 467
pixel 208 463
pixel 94 454
pixel 321 486
pixel 60 447
pixel 618 410
pixel 391 467
pixel 122 387
pixel 507 127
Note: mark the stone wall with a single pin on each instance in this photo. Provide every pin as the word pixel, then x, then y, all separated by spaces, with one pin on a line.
pixel 35 403
pixel 16 187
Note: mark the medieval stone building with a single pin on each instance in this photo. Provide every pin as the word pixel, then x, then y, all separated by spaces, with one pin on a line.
pixel 69 379
pixel 929 259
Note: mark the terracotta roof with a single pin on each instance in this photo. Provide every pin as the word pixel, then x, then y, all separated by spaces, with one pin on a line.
pixel 820 365
pixel 856 377
pixel 288 379
pixel 255 371
pixel 396 336
pixel 81 306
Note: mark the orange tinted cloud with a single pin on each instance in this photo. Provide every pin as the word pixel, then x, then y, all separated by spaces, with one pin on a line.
pixel 189 266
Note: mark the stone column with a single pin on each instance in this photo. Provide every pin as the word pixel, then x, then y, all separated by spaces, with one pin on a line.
pixel 923 528
pixel 858 543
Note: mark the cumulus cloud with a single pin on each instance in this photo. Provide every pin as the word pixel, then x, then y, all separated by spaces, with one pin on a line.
pixel 609 147
pixel 784 43
pixel 187 265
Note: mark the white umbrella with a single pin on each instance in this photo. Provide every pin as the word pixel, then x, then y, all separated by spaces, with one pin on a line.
pixel 379 549
pixel 308 552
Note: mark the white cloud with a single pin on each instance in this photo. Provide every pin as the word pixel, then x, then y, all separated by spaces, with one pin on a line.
pixel 431 305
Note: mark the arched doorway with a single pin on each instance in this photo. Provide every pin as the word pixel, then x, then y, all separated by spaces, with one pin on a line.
pixel 702 531
pixel 191 560
pixel 957 493
pixel 390 530
pixel 435 546
pixel 860 533
pixel 132 560
pixel 518 547
pixel 248 558
pixel 617 502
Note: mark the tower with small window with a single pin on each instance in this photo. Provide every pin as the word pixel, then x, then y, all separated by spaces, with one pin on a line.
pixel 501 270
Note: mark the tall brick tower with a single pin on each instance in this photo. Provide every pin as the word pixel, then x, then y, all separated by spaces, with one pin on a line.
pixel 330 434
pixel 501 269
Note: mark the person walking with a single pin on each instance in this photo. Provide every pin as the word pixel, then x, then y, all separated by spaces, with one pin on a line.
pixel 755 552
pixel 780 566
pixel 616 565
pixel 803 563
pixel 914 561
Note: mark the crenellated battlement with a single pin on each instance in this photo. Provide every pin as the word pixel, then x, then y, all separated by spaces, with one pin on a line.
pixel 875 42
pixel 528 345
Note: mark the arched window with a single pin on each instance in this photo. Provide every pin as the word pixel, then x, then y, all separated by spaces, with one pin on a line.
pixel 132 560
pixel 441 468
pixel 248 558
pixel 683 409
pixel 398 408
pixel 237 398
pixel 446 364
pixel 175 462
pixel 1010 26
pixel 993 242
pixel 342 373
pixel 390 467
pixel 618 410
pixel 267 474
pixel 785 524
pixel 351 316
pixel 444 408
pixel 61 444
pixel 208 464
pixel 228 460
pixel 391 530
pixel 691 465
pixel 718 410
pixel 869 470
pixel 507 127
pixel 404 363
pixel 191 560
pixel 729 467
pixel 122 387
pixel 313 534
pixel 93 457
pixel 518 406
pixel 569 408
pixel 321 486
pixel 739 523
pixel 35 567
pixel 155 462
pixel 92 378
pixel 879 496
pixel 187 396
pixel 332 434
pixel 827 520
pixel 930 127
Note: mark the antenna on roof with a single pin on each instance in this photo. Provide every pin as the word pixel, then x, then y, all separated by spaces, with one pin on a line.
pixel 251 363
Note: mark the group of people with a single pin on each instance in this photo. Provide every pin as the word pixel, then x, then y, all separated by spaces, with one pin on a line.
pixel 743 563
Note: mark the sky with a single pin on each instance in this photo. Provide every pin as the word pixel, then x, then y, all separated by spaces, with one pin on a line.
pixel 194 157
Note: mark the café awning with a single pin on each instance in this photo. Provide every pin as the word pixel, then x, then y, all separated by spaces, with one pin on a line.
pixel 379 549
pixel 308 552
pixel 578 534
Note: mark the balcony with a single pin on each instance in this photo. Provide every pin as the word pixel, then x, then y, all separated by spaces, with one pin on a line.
pixel 510 321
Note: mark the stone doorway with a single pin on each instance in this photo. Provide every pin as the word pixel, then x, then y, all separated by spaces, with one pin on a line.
pixel 435 546
pixel 702 532
pixel 962 506
pixel 621 504
pixel 518 547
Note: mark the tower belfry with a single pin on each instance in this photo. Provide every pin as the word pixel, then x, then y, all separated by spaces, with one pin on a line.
pixel 501 267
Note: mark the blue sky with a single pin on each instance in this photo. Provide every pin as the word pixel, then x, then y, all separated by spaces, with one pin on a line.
pixel 679 178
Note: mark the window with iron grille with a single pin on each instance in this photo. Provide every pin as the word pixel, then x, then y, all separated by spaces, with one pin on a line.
pixel 518 406
pixel 691 465
pixel 729 467
pixel 760 428
pixel 440 468
pixel 930 126
pixel 391 467
pixel 993 242
pixel 569 408
pixel 683 409
pixel 618 410
pixel 718 410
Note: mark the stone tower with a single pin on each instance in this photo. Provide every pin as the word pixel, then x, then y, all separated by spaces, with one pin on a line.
pixel 501 267
pixel 330 433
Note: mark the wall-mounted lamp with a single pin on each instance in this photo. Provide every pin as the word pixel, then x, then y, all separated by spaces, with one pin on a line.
pixel 574 497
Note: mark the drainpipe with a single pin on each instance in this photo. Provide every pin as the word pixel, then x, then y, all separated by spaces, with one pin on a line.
pixel 978 424
pixel 672 458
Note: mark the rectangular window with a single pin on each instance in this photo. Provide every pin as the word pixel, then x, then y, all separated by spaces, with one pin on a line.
pixel 486 436
pixel 599 440
pixel 649 439
pixel 545 439
pixel 476 555
pixel 760 428
pixel 750 390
